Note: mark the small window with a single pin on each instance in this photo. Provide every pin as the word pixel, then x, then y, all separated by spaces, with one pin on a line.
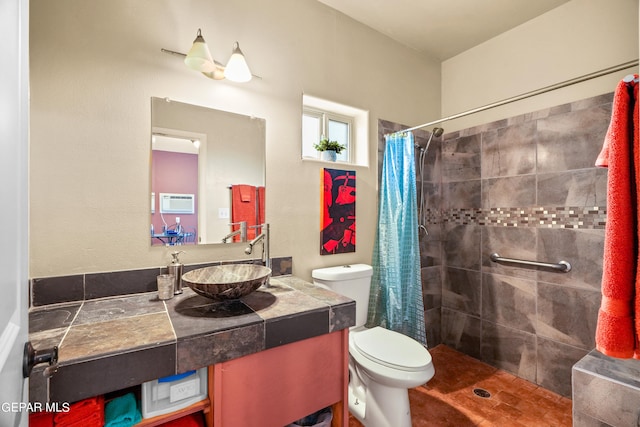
pixel 347 125
pixel 318 124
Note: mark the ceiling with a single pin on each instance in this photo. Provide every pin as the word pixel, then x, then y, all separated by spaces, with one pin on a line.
pixel 442 28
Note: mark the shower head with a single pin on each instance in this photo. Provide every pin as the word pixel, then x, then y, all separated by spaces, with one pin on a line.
pixel 437 132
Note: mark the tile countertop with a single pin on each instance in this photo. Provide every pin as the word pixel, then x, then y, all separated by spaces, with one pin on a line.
pixel 114 343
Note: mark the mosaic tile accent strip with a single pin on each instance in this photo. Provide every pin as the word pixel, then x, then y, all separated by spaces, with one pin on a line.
pixel 433 216
pixel 540 217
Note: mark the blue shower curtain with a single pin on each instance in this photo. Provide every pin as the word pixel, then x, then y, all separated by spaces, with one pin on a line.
pixel 396 289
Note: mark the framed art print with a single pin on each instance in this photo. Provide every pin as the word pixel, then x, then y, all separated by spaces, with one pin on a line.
pixel 338 217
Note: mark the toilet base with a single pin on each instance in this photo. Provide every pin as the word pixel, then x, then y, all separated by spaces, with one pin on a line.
pixel 381 406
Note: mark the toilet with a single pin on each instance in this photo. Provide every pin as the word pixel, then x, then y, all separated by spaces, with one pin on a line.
pixel 383 364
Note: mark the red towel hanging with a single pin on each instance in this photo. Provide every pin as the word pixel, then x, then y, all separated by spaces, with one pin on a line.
pixel 243 208
pixel 616 332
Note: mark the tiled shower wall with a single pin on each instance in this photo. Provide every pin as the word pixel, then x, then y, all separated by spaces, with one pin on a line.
pixel 526 188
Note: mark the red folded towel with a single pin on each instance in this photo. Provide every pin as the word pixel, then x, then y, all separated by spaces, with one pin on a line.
pixel 615 332
pixel 95 419
pixel 41 419
pixel 87 412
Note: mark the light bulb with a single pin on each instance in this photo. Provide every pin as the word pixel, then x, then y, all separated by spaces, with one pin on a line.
pixel 237 69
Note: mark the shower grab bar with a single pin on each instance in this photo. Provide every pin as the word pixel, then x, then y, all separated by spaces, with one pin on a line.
pixel 562 266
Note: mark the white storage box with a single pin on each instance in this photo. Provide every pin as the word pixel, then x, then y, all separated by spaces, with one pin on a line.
pixel 169 394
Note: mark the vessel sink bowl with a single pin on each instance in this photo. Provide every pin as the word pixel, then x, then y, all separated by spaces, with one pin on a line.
pixel 228 281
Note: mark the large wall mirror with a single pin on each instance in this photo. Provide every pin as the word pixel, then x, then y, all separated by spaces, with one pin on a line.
pixel 207 175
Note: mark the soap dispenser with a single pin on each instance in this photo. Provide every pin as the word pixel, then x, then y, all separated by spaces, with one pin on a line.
pixel 175 269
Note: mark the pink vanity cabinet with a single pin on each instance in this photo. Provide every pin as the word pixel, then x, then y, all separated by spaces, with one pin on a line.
pixel 280 385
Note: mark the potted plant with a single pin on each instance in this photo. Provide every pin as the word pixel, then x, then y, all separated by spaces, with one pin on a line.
pixel 329 149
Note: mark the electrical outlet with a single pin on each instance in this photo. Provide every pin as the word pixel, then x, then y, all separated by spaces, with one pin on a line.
pixel 223 213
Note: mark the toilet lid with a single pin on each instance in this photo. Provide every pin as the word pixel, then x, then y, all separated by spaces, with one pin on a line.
pixel 391 349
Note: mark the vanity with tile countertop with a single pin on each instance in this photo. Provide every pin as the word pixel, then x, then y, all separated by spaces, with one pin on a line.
pixel 265 348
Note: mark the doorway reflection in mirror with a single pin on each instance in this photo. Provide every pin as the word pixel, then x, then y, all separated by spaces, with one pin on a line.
pixel 174 171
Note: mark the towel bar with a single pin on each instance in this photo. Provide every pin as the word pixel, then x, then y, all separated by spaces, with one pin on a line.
pixel 562 266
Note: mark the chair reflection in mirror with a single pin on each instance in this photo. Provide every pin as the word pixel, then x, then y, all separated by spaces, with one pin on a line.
pixel 175 235
pixel 189 237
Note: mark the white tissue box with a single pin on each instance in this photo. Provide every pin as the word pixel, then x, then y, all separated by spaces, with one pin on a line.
pixel 172 393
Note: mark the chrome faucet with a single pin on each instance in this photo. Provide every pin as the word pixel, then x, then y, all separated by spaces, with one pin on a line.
pixel 264 237
pixel 242 231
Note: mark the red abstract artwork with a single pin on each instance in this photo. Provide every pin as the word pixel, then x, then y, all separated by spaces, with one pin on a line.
pixel 338 220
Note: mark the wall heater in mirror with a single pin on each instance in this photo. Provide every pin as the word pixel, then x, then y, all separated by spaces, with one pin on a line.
pixel 177 203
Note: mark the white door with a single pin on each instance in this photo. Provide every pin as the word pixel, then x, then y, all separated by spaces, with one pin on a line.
pixel 14 137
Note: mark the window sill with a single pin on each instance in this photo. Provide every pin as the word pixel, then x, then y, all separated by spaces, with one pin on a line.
pixel 326 162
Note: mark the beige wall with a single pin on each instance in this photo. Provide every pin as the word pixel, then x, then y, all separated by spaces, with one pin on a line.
pixel 577 38
pixel 94 67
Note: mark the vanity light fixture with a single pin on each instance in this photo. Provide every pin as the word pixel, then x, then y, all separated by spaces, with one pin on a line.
pixel 199 59
pixel 237 69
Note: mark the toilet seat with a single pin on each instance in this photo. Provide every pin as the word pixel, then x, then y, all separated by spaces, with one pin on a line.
pixel 391 349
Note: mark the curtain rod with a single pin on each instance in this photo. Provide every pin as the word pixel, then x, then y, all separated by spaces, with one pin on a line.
pixel 560 85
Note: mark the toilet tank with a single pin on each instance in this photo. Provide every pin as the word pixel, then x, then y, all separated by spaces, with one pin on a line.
pixel 352 281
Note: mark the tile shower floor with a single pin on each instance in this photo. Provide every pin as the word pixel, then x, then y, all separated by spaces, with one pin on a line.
pixel 449 398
